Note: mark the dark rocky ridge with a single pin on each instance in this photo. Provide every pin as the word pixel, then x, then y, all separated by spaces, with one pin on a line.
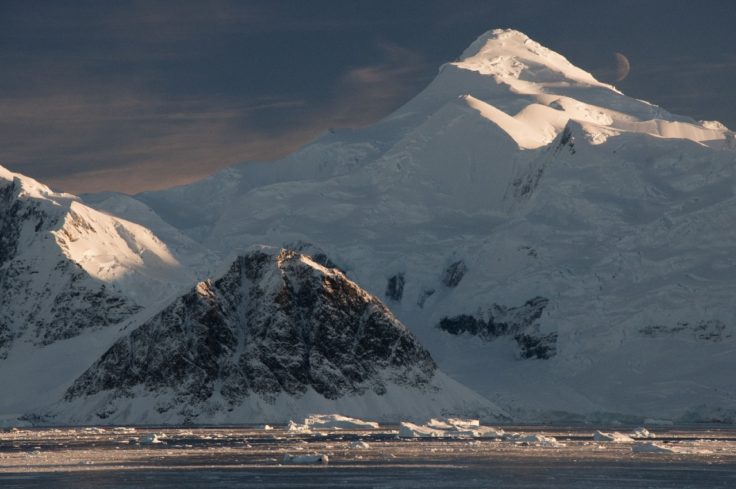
pixel 275 323
pixel 518 322
pixel 712 330
pixel 395 287
pixel 454 273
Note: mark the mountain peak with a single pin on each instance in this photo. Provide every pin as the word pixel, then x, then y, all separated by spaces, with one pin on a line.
pixel 29 187
pixel 511 36
pixel 509 54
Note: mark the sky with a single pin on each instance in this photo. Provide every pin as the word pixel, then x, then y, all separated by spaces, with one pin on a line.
pixel 139 95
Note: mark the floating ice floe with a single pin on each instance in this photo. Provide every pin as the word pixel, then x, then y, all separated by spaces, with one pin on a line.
pixel 297 428
pixel 306 459
pixel 151 439
pixel 411 430
pixel 614 437
pixel 534 439
pixel 330 422
pixel 448 428
pixel 640 433
pixel 337 422
pixel 267 427
pixel 453 423
pixel 358 444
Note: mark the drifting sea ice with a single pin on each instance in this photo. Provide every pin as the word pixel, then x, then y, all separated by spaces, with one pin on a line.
pixel 453 423
pixel 411 430
pixel 614 437
pixel 306 459
pixel 293 427
pixel 330 422
pixel 534 439
pixel 358 444
pixel 151 439
pixel 642 432
pixel 448 428
pixel 338 422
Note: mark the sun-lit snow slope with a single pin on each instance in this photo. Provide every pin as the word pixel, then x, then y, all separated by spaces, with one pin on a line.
pixel 65 267
pixel 187 251
pixel 277 336
pixel 524 220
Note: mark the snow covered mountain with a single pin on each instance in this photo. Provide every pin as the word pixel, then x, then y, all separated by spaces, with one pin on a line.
pixel 66 271
pixel 560 248
pixel 521 218
pixel 278 336
pixel 65 267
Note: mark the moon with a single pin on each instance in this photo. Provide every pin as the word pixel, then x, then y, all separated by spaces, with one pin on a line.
pixel 623 67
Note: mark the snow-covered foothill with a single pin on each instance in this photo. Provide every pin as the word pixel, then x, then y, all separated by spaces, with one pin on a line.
pixel 614 437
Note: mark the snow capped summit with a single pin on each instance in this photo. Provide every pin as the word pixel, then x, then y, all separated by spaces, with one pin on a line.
pixel 542 90
pixel 512 57
pixel 114 251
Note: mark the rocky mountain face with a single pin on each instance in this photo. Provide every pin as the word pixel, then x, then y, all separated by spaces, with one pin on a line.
pixel 275 324
pixel 499 321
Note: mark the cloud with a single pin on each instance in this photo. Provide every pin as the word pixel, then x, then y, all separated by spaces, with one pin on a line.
pixel 142 95
pixel 84 136
pixel 132 142
pixel 366 93
pixel 179 158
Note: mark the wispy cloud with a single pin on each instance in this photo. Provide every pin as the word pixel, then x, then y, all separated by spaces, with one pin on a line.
pixel 368 92
pixel 134 142
pixel 139 95
pixel 89 136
